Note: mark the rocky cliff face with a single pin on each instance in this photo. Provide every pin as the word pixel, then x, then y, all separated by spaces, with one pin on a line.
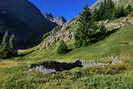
pixel 57 20
pixel 23 19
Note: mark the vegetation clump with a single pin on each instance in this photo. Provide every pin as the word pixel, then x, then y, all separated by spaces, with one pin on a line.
pixel 62 48
pixel 80 78
pixel 108 10
pixel 129 10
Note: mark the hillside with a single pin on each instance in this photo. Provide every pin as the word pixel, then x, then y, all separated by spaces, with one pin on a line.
pixel 106 63
pixel 119 44
pixel 112 46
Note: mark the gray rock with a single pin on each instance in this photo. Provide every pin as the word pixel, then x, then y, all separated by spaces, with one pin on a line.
pixel 116 60
pixel 57 20
pixel 45 70
pixel 92 64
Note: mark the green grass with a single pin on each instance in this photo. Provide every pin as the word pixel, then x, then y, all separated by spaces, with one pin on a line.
pixel 15 75
pixel 108 77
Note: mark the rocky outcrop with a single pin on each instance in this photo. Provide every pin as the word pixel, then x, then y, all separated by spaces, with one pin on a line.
pixel 59 33
pixel 24 20
pixel 56 38
pixel 57 20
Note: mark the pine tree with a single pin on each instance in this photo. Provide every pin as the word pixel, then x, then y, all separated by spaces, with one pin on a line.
pixel 104 11
pixel 87 31
pixel 96 15
pixel 119 12
pixel 84 23
pixel 85 16
pixel 86 28
pixel 108 8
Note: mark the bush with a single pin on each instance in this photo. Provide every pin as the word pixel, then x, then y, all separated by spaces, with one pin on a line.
pixel 129 9
pixel 108 82
pixel 62 48
pixel 17 80
pixel 120 12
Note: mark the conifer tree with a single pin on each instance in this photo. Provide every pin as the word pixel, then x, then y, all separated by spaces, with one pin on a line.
pixel 104 11
pixel 119 12
pixel 87 31
pixel 86 28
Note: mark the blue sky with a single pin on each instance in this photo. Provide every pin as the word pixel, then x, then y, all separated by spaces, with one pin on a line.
pixel 66 8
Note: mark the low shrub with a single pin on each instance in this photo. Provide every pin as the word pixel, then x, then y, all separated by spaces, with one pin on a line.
pixel 62 48
pixel 107 82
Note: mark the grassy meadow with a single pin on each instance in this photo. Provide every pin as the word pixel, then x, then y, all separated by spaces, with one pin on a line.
pixel 14 72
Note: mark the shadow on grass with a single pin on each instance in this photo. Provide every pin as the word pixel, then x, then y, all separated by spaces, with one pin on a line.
pixel 107 34
pixel 18 55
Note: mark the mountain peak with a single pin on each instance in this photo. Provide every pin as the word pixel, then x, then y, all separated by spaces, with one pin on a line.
pixel 58 20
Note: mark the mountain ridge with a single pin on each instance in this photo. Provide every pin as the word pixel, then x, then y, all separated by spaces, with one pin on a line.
pixel 24 20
